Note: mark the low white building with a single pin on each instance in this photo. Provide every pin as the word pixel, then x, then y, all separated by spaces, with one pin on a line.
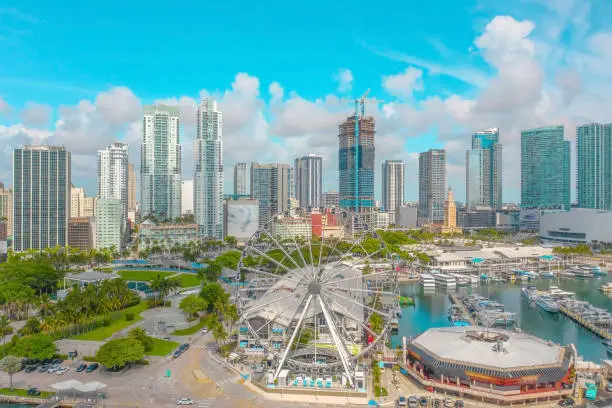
pixel 292 227
pixel 580 225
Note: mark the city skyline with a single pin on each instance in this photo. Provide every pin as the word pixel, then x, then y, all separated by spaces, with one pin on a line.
pixel 488 67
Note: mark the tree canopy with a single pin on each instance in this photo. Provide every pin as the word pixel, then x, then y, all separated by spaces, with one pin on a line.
pixel 117 353
pixel 37 347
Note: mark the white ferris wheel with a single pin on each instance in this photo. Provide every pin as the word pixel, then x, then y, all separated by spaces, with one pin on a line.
pixel 317 306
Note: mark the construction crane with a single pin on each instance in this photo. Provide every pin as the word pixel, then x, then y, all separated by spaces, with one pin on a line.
pixel 359 102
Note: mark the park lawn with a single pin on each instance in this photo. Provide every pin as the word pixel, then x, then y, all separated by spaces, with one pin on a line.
pixel 104 332
pixel 162 347
pixel 144 276
pixel 189 279
pixel 190 330
pixel 19 392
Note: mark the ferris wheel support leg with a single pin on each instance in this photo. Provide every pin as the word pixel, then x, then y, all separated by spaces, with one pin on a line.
pixel 293 336
pixel 339 344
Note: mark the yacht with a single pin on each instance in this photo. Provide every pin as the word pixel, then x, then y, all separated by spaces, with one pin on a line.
pixel 547 303
pixel 559 294
pixel 597 271
pixel 582 273
pixel 444 280
pixel 548 274
pixel 427 281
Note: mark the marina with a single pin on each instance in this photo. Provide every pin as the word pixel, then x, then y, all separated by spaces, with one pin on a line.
pixel 432 309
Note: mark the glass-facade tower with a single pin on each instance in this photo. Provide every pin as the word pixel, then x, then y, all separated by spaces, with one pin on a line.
pixel 41 194
pixel 272 186
pixel 208 180
pixel 113 178
pixel 356 157
pixel 160 163
pixel 308 180
pixel 484 170
pixel 594 166
pixel 432 186
pixel 545 169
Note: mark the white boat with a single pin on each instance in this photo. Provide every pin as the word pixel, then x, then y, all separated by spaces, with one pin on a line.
pixel 582 272
pixel 559 294
pixel 547 303
pixel 447 281
pixel 462 280
pixel 530 292
pixel 427 281
pixel 606 287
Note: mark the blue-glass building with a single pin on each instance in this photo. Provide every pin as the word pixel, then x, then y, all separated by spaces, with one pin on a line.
pixel 594 166
pixel 356 163
pixel 484 170
pixel 545 169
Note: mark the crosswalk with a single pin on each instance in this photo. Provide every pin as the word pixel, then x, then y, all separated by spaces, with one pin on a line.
pixel 229 380
pixel 210 402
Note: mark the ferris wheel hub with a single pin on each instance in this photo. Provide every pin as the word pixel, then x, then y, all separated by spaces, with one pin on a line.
pixel 314 288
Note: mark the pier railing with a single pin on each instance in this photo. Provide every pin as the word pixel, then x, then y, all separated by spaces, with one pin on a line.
pixel 601 332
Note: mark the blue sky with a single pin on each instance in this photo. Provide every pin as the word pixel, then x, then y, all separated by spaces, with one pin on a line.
pixel 77 74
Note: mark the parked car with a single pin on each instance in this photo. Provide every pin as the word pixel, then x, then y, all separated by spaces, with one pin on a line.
pixel 30 369
pixel 184 346
pixel 177 353
pixel 184 401
pixel 423 401
pixel 62 370
pixel 53 369
pixel 35 392
pixel 46 361
pixel 92 367
pixel 448 403
pixel 81 367
pixel 413 402
pixel 437 403
pixel 402 402
pixel 459 404
pixel 568 402
pixel 57 361
pixel 205 330
pixel 43 368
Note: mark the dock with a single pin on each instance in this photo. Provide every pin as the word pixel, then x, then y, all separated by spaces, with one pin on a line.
pixel 454 300
pixel 600 331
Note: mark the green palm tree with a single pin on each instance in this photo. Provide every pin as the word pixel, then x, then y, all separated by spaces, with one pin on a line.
pixel 5 330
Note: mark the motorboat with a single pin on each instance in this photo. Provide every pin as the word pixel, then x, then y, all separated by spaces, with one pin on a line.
pixel 427 281
pixel 548 275
pixel 608 344
pixel 547 303
pixel 583 272
pixel 530 292
pixel 597 271
pixel 606 287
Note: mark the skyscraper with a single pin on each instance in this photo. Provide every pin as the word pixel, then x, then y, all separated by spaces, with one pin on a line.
pixel 113 178
pixel 308 180
pixel 160 163
pixel 6 208
pixel 41 206
pixel 392 186
pixel 330 199
pixel 272 185
pixel 594 166
pixel 208 181
pixel 241 179
pixel 187 197
pixel 356 157
pixel 545 169
pixel 483 170
pixel 131 188
pixel 432 186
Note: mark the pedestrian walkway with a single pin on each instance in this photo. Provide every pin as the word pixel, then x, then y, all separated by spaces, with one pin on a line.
pixel 229 380
pixel 205 403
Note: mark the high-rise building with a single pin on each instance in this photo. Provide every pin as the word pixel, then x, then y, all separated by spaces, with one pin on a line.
pixel 6 208
pixel 545 169
pixel 77 201
pixel 356 157
pixel 160 163
pixel 208 181
pixel 272 186
pixel 484 170
pixel 187 197
pixel 241 179
pixel 113 179
pixel 432 186
pixel 392 186
pixel 330 199
pixel 594 166
pixel 82 232
pixel 308 180
pixel 131 188
pixel 41 197
pixel 89 207
pixel 109 219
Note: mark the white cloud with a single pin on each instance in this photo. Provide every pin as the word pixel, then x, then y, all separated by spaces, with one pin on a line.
pixel 276 92
pixel 118 106
pixel 403 85
pixel 36 114
pixel 5 108
pixel 344 77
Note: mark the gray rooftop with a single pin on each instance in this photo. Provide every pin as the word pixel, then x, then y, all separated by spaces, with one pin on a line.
pixel 91 276
pixel 520 350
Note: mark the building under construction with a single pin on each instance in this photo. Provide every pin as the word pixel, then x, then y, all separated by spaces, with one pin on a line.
pixel 356 163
